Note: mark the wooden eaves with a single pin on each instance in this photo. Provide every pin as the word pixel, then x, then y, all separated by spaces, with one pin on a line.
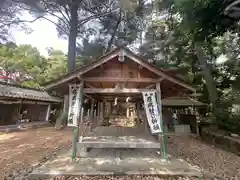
pixel 78 73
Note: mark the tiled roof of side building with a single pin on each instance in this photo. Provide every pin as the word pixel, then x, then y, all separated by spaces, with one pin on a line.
pixel 16 91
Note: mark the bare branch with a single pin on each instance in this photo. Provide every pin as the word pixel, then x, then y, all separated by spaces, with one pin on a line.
pixel 17 22
pixel 66 11
pixel 46 11
pixel 63 15
pixel 96 16
pixel 57 25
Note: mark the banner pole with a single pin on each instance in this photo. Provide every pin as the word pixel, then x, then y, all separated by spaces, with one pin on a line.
pixel 79 99
pixel 161 134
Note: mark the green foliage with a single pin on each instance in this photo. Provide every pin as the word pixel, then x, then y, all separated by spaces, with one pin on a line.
pixel 34 69
pixel 56 65
pixel 89 51
pixel 170 42
pixel 204 19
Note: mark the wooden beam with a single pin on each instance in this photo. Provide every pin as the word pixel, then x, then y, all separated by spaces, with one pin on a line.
pixel 90 97
pixel 82 70
pixel 113 90
pixel 108 79
pixel 89 85
pixel 154 85
pixel 122 99
pixel 10 102
pixel 150 86
pixel 99 62
pixel 157 71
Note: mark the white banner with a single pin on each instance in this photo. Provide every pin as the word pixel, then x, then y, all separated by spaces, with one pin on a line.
pixel 152 112
pixel 74 104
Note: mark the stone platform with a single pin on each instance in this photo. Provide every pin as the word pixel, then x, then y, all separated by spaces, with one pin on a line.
pixel 117 142
pixel 116 162
pixel 118 137
pixel 116 151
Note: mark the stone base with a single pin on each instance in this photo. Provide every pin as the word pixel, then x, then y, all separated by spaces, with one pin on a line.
pixel 182 129
pixel 116 162
pixel 118 142
pixel 118 137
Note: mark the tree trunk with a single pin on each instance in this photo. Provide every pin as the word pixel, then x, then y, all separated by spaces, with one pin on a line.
pixel 211 85
pixel 72 36
pixel 110 43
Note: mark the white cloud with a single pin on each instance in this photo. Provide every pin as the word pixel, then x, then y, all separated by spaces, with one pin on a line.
pixel 44 35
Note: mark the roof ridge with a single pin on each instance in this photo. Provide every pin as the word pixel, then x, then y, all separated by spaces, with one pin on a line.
pixel 20 86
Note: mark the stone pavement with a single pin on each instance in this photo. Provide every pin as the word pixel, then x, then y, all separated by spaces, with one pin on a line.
pixel 115 162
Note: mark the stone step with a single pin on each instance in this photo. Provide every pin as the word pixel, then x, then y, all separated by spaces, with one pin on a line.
pixel 118 142
pixel 105 162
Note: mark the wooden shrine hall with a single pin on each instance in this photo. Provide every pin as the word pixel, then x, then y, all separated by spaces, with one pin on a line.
pixel 113 102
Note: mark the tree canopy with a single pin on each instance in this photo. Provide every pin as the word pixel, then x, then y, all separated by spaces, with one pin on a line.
pixel 193 38
pixel 24 65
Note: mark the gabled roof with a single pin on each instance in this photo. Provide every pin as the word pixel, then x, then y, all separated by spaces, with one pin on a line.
pixel 109 56
pixel 181 101
pixel 16 91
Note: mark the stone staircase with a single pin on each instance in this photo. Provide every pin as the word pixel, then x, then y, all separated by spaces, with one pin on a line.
pixel 116 159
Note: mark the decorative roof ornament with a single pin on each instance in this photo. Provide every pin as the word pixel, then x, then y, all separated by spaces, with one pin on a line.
pixel 121 57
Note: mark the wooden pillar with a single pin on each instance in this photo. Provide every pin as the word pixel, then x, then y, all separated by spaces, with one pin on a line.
pixel 98 112
pixel 145 122
pixel 134 111
pixel 127 112
pixel 80 120
pixel 110 108
pixel 101 113
pixel 66 103
pixel 138 115
pixel 104 108
pixel 48 112
pixel 92 114
pixel 19 116
pixel 95 114
pixel 81 124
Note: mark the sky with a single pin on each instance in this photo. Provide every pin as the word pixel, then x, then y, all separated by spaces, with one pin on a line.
pixel 43 35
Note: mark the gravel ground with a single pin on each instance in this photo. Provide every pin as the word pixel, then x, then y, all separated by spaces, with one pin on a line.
pixel 19 151
pixel 123 178
pixel 214 162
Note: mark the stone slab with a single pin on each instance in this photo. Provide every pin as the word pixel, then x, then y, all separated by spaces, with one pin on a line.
pixel 118 137
pixel 117 142
pixel 115 162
